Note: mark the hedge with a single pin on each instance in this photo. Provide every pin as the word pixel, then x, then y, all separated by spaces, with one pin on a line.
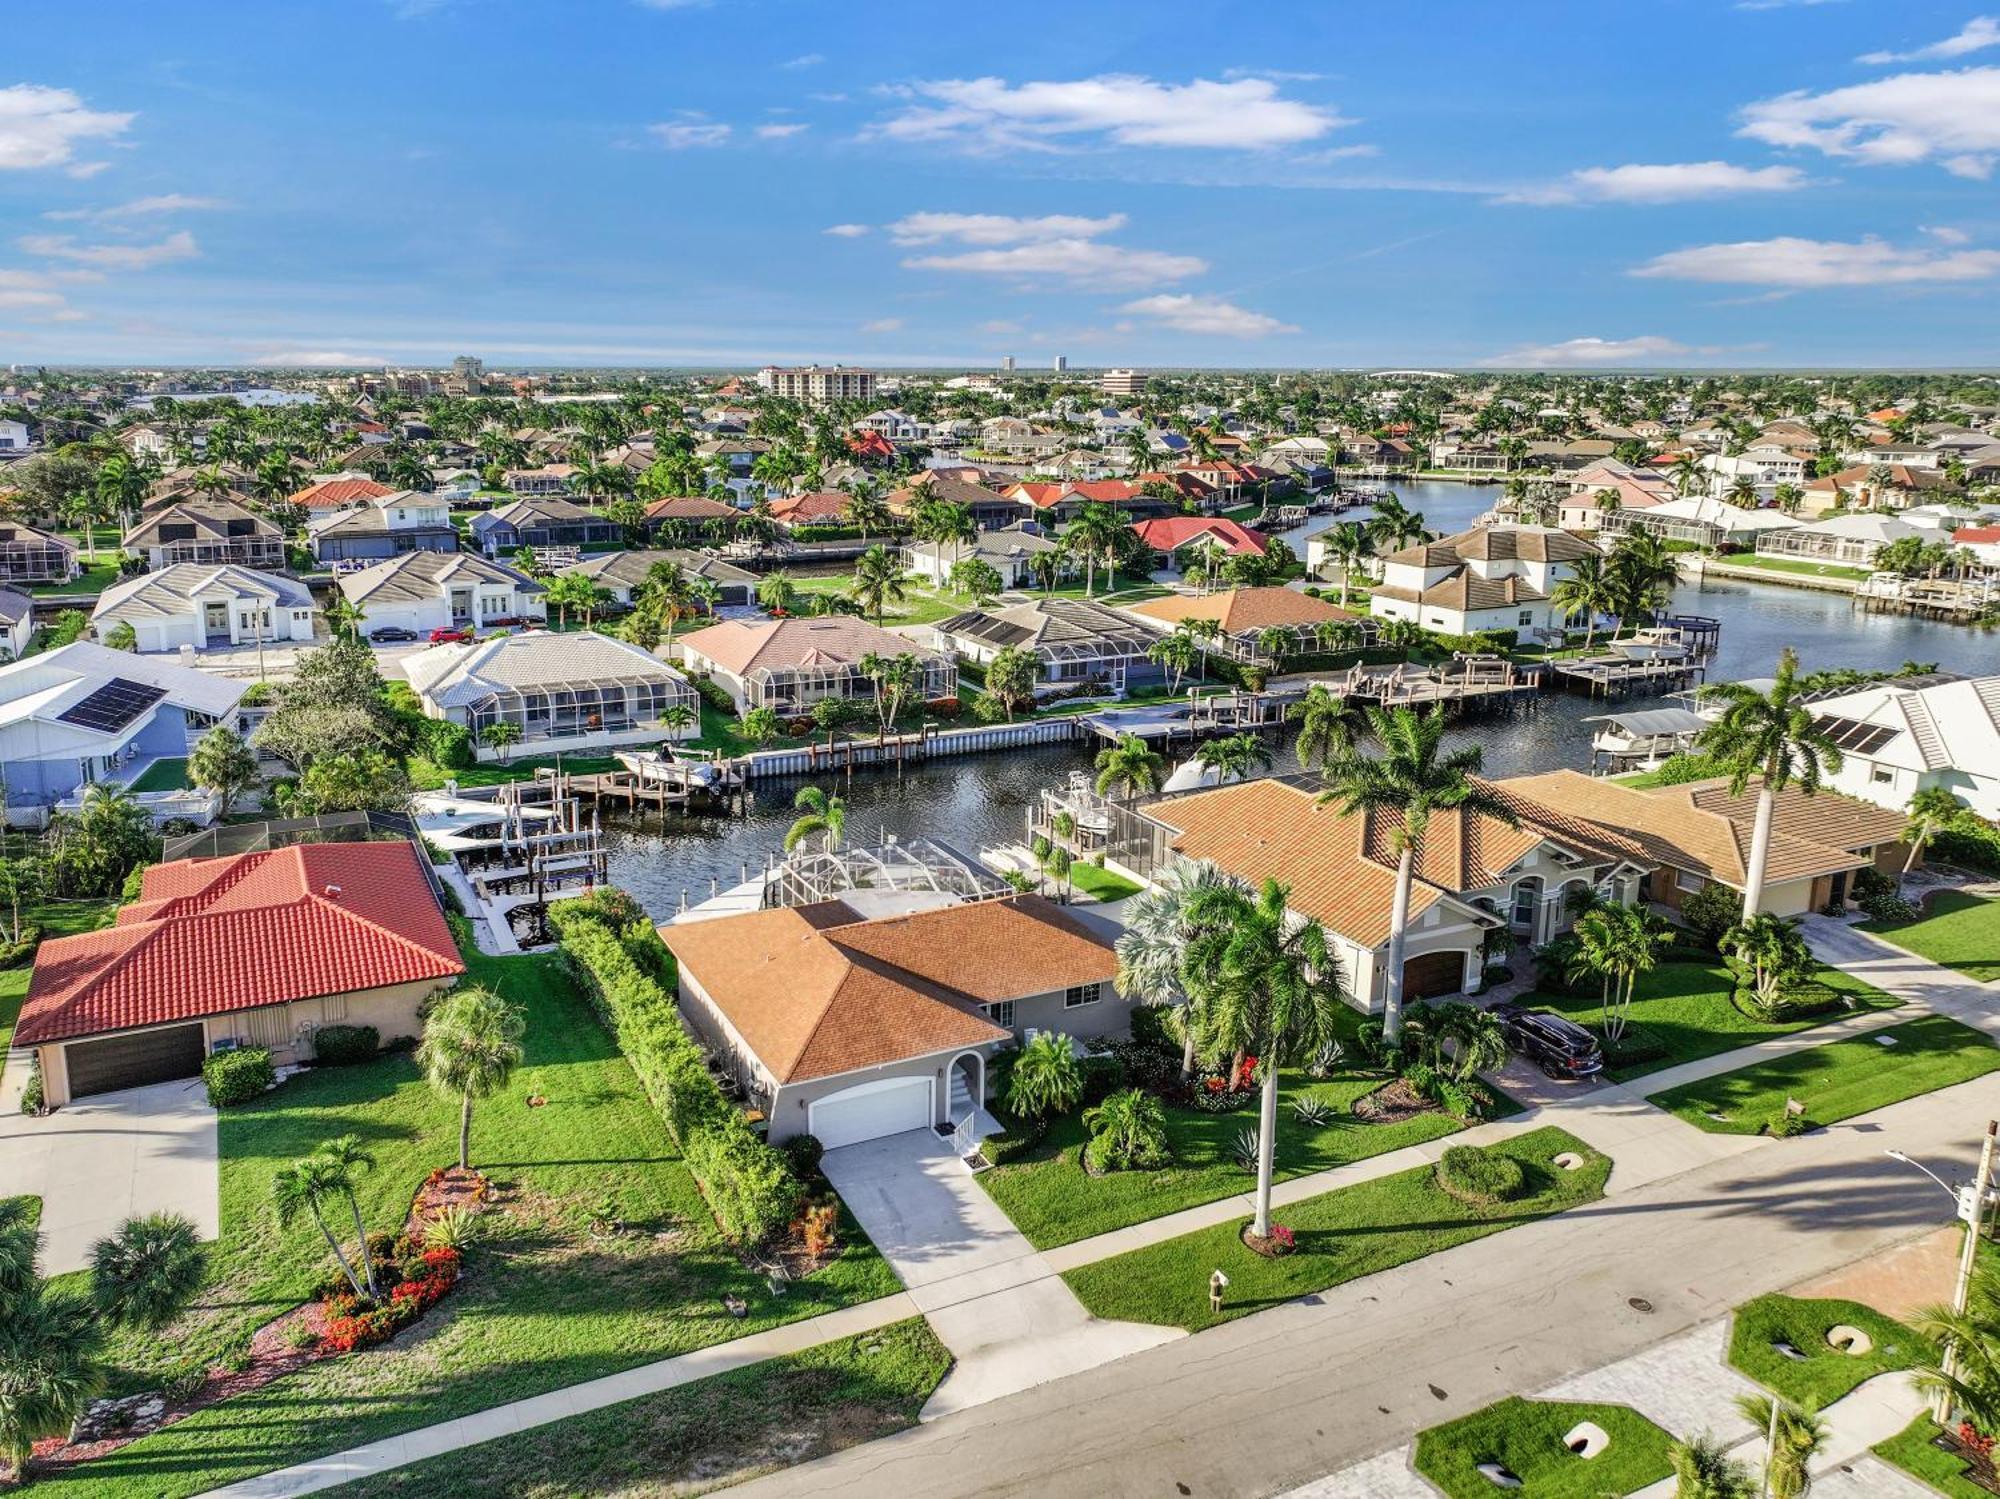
pixel 237 1076
pixel 341 1045
pixel 1970 841
pixel 749 1186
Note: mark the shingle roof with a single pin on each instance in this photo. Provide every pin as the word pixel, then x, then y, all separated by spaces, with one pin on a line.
pixel 209 517
pixel 209 936
pixel 629 569
pixel 418 576
pixel 171 592
pixel 1242 610
pixel 456 675
pixel 740 646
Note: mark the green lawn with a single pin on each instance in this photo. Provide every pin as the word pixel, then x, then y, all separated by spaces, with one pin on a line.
pixel 1053 1200
pixel 921 605
pixel 59 918
pixel 1686 1011
pixel 1104 884
pixel 1342 1236
pixel 1798 565
pixel 1838 1081
pixel 718 1431
pixel 1526 1437
pixel 1911 1450
pixel 1102 592
pixel 164 775
pixel 544 1303
pixel 428 775
pixel 90 578
pixel 1825 1373
pixel 1958 930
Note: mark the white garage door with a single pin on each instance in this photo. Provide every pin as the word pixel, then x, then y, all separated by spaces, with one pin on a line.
pixel 871 1110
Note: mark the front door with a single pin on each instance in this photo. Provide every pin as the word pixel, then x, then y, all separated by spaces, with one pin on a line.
pixel 1837 895
pixel 215 622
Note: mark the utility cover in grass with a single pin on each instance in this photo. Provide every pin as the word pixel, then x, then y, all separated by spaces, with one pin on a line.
pixel 1766 1333
pixel 1525 1437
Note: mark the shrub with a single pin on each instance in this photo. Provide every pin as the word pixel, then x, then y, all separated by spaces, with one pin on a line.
pixel 14 954
pixel 344 1045
pixel 448 744
pixel 1473 1174
pixel 1555 966
pixel 1104 1073
pixel 32 1096
pixel 804 1152
pixel 1312 1111
pixel 1784 1124
pixel 455 1227
pixel 1243 1149
pixel 1711 911
pixel 235 1077
pixel 1460 1100
pixel 1045 1077
pixel 1970 841
pixel 1127 1130
pixel 715 695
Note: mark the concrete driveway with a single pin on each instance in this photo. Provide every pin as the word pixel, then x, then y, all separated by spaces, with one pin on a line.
pixel 97 1162
pixel 1009 1320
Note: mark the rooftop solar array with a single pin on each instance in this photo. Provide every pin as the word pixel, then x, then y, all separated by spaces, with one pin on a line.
pixel 112 706
pixel 1853 736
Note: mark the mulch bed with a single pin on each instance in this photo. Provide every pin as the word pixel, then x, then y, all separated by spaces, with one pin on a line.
pixel 1978 1465
pixel 446 1188
pixel 1392 1103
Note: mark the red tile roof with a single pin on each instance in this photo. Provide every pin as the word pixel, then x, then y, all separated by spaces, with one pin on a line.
pixel 333 494
pixel 803 509
pixel 210 936
pixel 1170 532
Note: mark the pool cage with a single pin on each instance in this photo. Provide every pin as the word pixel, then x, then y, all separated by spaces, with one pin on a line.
pixel 808 875
pixel 794 689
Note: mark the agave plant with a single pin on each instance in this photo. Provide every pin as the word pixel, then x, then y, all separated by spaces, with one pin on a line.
pixel 1244 1150
pixel 1326 1061
pixel 1312 1111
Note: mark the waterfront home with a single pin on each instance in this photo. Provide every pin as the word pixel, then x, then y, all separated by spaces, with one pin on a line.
pixel 692 517
pixel 1242 615
pixel 206 606
pixel 541 521
pixel 1010 552
pixel 1189 541
pixel 623 574
pixel 848 1029
pixel 790 664
pixel 259 949
pixel 822 507
pixel 1855 540
pixel 426 591
pixel 1696 835
pixel 991 511
pixel 1698 519
pixel 1075 642
pixel 1060 503
pixel 82 713
pixel 1489 578
pixel 1765 465
pixel 583 691
pixel 388 525
pixel 1909 734
pixel 337 492
pixel 545 479
pixel 1475 875
pixel 1873 486
pixel 31 556
pixel 1587 509
pixel 205 530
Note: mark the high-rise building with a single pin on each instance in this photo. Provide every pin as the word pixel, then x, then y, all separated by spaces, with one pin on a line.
pixel 1121 382
pixel 818 383
pixel 1007 363
pixel 1061 363
pixel 470 370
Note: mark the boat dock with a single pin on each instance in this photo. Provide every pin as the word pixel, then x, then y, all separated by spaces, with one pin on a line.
pixel 1469 680
pixel 1607 676
pixel 1954 600
pixel 1194 717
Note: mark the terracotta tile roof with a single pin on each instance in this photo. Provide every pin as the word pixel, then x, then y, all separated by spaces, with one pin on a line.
pixel 209 936
pixel 739 646
pixel 816 990
pixel 690 507
pixel 800 509
pixel 332 494
pixel 1241 610
pixel 1170 532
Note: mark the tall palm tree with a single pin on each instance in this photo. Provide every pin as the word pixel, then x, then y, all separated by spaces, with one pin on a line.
pixel 1771 736
pixel 1394 525
pixel 1409 782
pixel 1152 946
pixel 348 1160
pixel 1349 547
pixel 471 1046
pixel 897 678
pixel 1794 1433
pixel 1094 534
pixel 879 581
pixel 1588 590
pixel 1329 726
pixel 1617 943
pixel 820 813
pixel 1130 767
pixel 303 1187
pixel 1967 1378
pixel 1235 757
pixel 1269 983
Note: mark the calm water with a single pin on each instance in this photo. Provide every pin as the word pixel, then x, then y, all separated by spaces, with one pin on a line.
pixel 981 799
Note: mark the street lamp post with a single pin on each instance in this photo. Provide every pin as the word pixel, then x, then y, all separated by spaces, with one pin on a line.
pixel 1971 1203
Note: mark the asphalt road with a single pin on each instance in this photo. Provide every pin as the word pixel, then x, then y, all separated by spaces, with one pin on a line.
pixel 1309 1387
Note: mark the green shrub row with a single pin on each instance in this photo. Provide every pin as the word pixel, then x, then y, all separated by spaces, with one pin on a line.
pixel 1971 842
pixel 235 1077
pixel 343 1045
pixel 749 1186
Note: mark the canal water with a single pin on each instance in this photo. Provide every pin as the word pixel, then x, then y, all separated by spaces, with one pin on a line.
pixel 980 800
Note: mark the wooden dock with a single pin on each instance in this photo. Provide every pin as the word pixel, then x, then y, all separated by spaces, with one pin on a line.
pixel 1609 676
pixel 1470 681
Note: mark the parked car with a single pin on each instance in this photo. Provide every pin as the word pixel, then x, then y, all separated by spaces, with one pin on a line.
pixel 1560 1047
pixel 451 637
pixel 391 632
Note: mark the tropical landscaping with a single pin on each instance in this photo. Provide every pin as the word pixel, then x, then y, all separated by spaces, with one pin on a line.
pixel 1954 928
pixel 1786 1344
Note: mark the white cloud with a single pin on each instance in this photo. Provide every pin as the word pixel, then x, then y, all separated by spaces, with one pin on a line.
pixel 1276 75
pixel 1944 234
pixel 845 231
pixel 39 126
pixel 683 134
pixel 883 325
pixel 998 229
pixel 1665 182
pixel 1115 108
pixel 176 246
pixel 140 208
pixel 999 325
pixel 1804 264
pixel 1590 353
pixel 803 60
pixel 1079 262
pixel 779 132
pixel 316 359
pixel 1900 120
pixel 1976 35
pixel 83 171
pixel 1209 316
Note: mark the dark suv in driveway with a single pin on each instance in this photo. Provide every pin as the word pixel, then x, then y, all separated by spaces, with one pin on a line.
pixel 1560 1047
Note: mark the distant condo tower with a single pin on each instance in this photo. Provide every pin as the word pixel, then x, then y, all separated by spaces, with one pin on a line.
pixel 819 383
pixel 1061 363
pixel 470 370
pixel 1007 363
pixel 1122 382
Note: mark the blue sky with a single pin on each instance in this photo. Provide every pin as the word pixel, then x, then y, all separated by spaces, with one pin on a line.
pixel 1589 185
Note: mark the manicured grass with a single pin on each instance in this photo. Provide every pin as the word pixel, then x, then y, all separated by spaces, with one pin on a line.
pixel 428 775
pixel 1102 883
pixel 1341 1236
pixel 1825 1373
pixel 164 775
pixel 59 918
pixel 1798 565
pixel 921 604
pixel 1127 592
pixel 543 1305
pixel 90 578
pixel 1688 1011
pixel 1526 1437
pixel 1911 1450
pixel 708 1435
pixel 1053 1200
pixel 1958 930
pixel 1838 1081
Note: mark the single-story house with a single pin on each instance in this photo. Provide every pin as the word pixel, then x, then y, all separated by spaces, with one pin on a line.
pixel 206 530
pixel 259 949
pixel 1856 539
pixel 690 516
pixel 206 606
pixel 31 556
pixel 1243 614
pixel 547 479
pixel 386 526
pixel 425 591
pixel 621 574
pixel 849 1029
pixel 1705 522
pixel 1182 537
pixel 990 511
pixel 541 521
pixel 1009 551
pixel 822 507
pixel 1075 642
pixel 790 664
pixel 1909 734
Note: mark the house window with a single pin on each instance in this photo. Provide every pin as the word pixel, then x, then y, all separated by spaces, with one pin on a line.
pixel 1687 882
pixel 1078 995
pixel 1525 618
pixel 1002 1014
pixel 1881 775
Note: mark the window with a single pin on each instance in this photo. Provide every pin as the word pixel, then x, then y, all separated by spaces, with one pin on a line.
pixel 1078 995
pixel 1688 882
pixel 1881 775
pixel 1002 1014
pixel 1526 618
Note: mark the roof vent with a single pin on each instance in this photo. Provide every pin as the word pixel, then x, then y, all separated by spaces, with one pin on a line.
pixel 333 892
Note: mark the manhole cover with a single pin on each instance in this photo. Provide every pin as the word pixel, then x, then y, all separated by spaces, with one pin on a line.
pixel 1639 1303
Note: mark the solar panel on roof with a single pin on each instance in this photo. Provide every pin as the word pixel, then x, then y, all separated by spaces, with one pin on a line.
pixel 1853 736
pixel 112 706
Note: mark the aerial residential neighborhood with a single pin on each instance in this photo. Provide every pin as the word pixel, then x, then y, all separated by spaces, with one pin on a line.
pixel 1137 752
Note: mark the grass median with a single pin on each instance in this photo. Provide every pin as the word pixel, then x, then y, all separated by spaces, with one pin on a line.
pixel 1527 1439
pixel 1958 930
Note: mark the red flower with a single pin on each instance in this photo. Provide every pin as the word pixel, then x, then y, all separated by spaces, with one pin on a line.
pixel 1214 1084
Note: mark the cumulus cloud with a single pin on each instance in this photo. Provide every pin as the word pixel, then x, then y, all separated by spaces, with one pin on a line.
pixel 1976 35
pixel 177 246
pixel 998 229
pixel 140 208
pixel 317 359
pixel 1210 316
pixel 1804 264
pixel 883 325
pixel 680 135
pixel 780 132
pixel 1666 182
pixel 1589 353
pixel 1078 262
pixel 845 231
pixel 1906 118
pixel 40 127
pixel 1113 108
pixel 1944 234
pixel 1000 325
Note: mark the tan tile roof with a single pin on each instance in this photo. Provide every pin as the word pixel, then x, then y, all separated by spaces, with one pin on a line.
pixel 1499 544
pixel 816 990
pixel 1243 609
pixel 739 646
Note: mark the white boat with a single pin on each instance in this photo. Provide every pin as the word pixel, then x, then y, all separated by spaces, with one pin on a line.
pixel 1192 775
pixel 647 765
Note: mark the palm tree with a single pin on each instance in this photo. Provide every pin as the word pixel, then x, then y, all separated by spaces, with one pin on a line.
pixel 1617 943
pixel 820 813
pixel 501 734
pixel 304 1186
pixel 1795 1434
pixel 567 592
pixel 776 592
pixel 1703 1469
pixel 50 1352
pixel 471 1046
pixel 896 678
pixel 1407 783
pixel 1396 526
pixel 1329 726
pixel 1348 546
pixel 145 1274
pixel 19 1242
pixel 1967 1378
pixel 1276 642
pixel 1588 590
pixel 1152 947
pixel 1093 534
pixel 1774 737
pixel 1130 767
pixel 1932 811
pixel 1268 983
pixel 1234 758
pixel 879 581
pixel 1178 653
pixel 346 1159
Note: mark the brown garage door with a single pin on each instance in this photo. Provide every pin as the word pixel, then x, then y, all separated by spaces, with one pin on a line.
pixel 133 1061
pixel 1433 974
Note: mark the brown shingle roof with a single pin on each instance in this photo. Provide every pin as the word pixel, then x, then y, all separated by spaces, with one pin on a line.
pixel 1243 609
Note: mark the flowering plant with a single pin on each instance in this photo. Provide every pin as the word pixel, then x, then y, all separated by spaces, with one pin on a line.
pixel 1281 1236
pixel 1973 1440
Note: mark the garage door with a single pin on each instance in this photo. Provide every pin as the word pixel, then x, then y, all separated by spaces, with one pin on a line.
pixel 133 1061
pixel 870 1111
pixel 1433 974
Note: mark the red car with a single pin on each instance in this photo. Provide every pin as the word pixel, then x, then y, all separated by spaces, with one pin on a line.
pixel 451 637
